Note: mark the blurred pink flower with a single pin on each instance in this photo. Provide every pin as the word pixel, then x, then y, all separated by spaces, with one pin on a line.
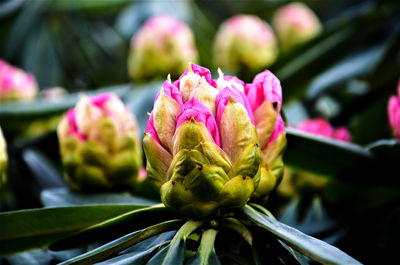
pixel 322 127
pixel 15 84
pixel 394 112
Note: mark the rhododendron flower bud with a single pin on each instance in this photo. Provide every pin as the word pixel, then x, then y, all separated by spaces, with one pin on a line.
pixel 245 41
pixel 294 24
pixel 99 144
pixel 201 145
pixel 15 84
pixel 323 128
pixel 265 97
pixel 394 112
pixel 3 158
pixel 162 45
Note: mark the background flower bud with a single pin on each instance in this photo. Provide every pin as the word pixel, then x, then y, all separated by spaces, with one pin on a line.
pixel 294 24
pixel 245 41
pixel 323 128
pixel 3 158
pixel 15 84
pixel 393 109
pixel 99 144
pixel 215 158
pixel 162 45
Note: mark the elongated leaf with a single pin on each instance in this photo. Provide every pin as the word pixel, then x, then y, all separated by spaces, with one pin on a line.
pixel 42 169
pixel 158 258
pixel 124 242
pixel 311 247
pixel 349 162
pixel 176 249
pixel 135 257
pixel 386 149
pixel 65 197
pixel 117 226
pixel 29 229
pixel 206 253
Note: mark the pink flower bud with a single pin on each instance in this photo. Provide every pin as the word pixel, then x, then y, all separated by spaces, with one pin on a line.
pixel 265 87
pixel 323 128
pixel 394 113
pixel 162 45
pixel 15 84
pixel 198 70
pixel 197 111
pixel 279 129
pixel 245 41
pixel 294 24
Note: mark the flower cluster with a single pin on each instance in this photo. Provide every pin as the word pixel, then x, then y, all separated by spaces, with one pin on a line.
pixel 15 84
pixel 323 128
pixel 245 40
pixel 162 45
pixel 99 144
pixel 201 141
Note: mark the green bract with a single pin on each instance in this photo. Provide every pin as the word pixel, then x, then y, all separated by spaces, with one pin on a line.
pixel 3 158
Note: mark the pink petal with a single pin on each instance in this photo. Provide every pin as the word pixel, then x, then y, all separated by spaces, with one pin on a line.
pixel 317 126
pixel 100 99
pixel 201 71
pixel 151 129
pixel 171 91
pixel 223 99
pixel 342 134
pixel 394 114
pixel 73 126
pixel 194 109
pixel 279 128
pixel 265 87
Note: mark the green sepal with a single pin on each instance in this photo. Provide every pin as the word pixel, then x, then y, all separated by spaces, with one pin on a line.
pixel 94 154
pixel 91 178
pixel 206 181
pixel 123 167
pixel 236 192
pixel 184 162
pixel 189 135
pixel 174 195
pixel 215 155
pixel 248 162
pixel 267 184
pixel 158 161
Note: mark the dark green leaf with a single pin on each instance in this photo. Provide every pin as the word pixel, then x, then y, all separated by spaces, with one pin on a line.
pixel 309 246
pixel 206 253
pixel 158 258
pixel 122 243
pixel 29 229
pixel 65 197
pixel 176 250
pixel 117 226
pixel 386 149
pixel 347 161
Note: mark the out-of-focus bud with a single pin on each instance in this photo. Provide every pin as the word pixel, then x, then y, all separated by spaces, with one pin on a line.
pixel 245 41
pixel 323 128
pixel 99 144
pixel 265 98
pixel 394 112
pixel 295 24
pixel 3 158
pixel 212 159
pixel 162 45
pixel 53 93
pixel 15 84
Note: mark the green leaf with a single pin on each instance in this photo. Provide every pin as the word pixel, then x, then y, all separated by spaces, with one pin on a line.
pixel 112 248
pixel 28 229
pixel 117 226
pixel 386 149
pixel 206 253
pixel 136 257
pixel 65 197
pixel 158 258
pixel 330 157
pixel 309 246
pixel 176 249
